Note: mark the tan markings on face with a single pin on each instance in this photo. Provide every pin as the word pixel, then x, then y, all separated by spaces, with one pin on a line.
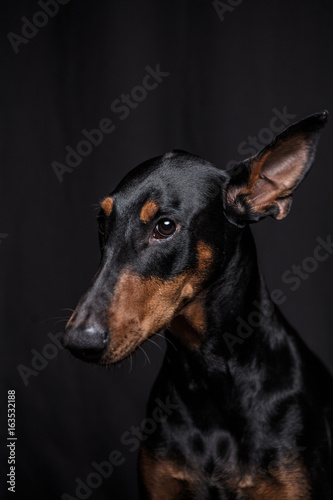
pixel 142 306
pixel 190 324
pixel 148 211
pixel 205 258
pixel 107 205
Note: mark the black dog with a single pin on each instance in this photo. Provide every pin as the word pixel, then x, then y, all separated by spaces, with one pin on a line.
pixel 250 420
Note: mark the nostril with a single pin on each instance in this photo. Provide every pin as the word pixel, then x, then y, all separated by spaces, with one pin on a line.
pixel 87 344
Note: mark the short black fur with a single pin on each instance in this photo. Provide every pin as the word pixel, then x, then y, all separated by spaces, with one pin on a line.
pixel 249 418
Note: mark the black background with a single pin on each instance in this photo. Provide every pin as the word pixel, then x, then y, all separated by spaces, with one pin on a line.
pixel 225 79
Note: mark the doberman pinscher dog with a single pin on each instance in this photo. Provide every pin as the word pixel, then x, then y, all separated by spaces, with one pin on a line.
pixel 252 411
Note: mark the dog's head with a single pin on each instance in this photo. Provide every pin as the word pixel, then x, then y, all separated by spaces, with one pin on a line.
pixel 166 230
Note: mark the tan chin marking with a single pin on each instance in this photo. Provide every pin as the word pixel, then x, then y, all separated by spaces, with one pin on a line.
pixel 107 205
pixel 142 306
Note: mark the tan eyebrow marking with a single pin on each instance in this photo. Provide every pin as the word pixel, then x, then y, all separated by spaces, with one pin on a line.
pixel 148 211
pixel 107 205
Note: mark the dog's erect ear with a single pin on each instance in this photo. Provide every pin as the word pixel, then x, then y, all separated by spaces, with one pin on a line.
pixel 263 184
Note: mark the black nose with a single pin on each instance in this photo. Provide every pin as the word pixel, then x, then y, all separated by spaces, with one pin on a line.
pixel 87 344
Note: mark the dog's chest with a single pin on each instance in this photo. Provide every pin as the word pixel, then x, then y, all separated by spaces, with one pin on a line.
pixel 204 463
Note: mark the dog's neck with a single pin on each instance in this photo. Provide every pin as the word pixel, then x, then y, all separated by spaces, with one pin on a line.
pixel 240 319
pixel 232 377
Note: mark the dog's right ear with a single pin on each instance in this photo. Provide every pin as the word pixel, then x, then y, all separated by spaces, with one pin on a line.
pixel 263 184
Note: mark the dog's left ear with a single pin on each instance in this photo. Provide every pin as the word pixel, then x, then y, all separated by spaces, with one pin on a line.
pixel 263 184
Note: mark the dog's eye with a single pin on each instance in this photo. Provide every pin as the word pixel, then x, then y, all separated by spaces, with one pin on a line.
pixel 164 229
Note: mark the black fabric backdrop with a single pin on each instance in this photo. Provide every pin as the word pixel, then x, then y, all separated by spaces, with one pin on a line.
pixel 225 77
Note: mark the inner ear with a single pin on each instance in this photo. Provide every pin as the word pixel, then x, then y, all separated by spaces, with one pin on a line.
pixel 263 185
pixel 276 175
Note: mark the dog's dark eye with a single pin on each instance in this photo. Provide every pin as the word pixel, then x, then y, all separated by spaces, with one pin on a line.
pixel 164 229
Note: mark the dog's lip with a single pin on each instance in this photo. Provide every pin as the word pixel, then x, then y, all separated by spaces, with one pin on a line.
pixel 120 352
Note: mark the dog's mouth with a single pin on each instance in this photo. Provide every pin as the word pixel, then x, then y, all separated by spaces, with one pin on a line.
pixel 122 351
pixel 140 307
pixel 105 348
pixel 139 310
